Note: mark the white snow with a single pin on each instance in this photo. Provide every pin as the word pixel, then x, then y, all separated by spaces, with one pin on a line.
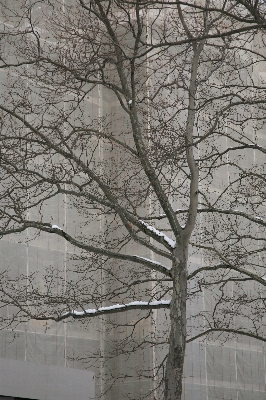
pixel 178 209
pixel 238 211
pixel 130 102
pixel 259 218
pixel 153 262
pixel 119 306
pixel 254 216
pixel 171 242
pixel 157 302
pixel 56 227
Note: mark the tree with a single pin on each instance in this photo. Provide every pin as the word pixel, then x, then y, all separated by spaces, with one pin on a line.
pixel 140 118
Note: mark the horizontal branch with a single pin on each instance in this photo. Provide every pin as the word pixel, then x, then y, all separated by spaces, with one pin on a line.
pixel 111 254
pixel 252 218
pixel 93 312
pixel 192 40
pixel 87 247
pixel 227 330
pixel 228 266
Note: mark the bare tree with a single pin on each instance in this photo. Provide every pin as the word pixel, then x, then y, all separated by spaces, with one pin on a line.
pixel 146 121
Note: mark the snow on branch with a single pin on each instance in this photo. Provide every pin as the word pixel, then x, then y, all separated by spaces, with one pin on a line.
pixel 260 219
pixel 142 305
pixel 56 227
pixel 169 241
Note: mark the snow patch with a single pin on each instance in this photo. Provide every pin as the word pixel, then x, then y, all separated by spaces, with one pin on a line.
pixel 56 227
pixel 171 242
pixel 119 306
pixel 259 218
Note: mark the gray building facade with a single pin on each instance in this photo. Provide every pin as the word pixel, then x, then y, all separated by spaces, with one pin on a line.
pixel 106 356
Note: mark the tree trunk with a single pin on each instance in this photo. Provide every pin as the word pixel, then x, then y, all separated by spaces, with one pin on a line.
pixel 175 360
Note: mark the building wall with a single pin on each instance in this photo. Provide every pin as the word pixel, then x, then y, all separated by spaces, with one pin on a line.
pixel 214 369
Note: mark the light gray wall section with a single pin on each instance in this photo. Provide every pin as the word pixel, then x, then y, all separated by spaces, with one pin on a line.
pixel 44 382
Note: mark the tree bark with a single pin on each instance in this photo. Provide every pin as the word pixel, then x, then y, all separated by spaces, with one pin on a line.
pixel 175 360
